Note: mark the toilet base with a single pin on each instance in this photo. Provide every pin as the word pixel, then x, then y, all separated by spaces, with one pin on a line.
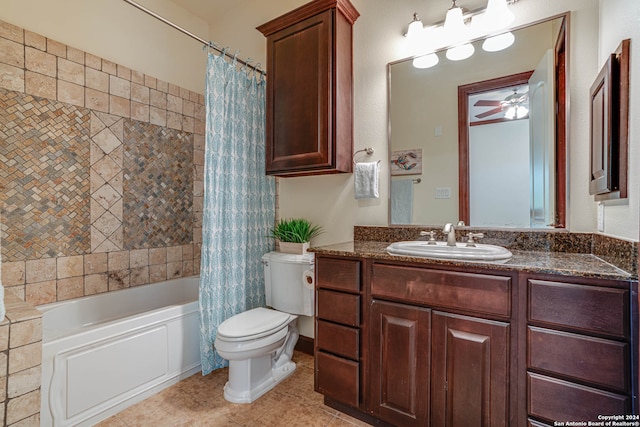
pixel 251 378
pixel 246 389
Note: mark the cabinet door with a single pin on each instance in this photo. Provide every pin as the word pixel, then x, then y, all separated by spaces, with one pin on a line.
pixel 399 369
pixel 298 96
pixel 469 371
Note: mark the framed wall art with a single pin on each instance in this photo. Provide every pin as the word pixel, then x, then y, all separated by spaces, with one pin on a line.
pixel 406 162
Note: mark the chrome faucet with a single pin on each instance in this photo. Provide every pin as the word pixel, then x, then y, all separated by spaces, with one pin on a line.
pixel 450 231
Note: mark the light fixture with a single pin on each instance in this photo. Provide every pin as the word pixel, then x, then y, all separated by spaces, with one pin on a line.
pixel 516 111
pixel 499 42
pixel 456 32
pixel 426 61
pixel 460 52
pixel 497 15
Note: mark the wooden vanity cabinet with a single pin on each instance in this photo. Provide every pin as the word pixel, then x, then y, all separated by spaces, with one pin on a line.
pixel 433 367
pixel 338 322
pixel 309 107
pixel 579 349
pixel 412 344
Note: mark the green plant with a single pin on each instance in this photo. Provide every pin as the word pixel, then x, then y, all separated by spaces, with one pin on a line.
pixel 295 230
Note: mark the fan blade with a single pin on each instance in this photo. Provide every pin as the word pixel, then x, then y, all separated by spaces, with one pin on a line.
pixel 486 103
pixel 489 113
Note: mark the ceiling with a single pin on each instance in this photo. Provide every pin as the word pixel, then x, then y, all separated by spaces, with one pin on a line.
pixel 211 10
pixel 429 11
pixel 494 95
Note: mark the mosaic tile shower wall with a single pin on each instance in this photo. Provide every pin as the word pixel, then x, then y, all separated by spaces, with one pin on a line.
pixel 106 182
pixel 44 152
pixel 102 172
pixel 158 183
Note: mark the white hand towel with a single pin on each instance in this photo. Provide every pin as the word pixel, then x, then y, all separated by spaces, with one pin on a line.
pixel 366 180
pixel 401 201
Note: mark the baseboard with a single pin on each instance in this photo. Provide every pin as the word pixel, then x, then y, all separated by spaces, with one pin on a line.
pixel 355 413
pixel 305 345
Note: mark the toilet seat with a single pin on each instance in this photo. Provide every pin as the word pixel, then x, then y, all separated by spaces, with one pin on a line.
pixel 253 324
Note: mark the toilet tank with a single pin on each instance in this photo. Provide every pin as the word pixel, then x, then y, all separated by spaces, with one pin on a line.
pixel 289 282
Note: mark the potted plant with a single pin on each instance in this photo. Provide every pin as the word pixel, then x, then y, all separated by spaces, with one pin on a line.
pixel 294 234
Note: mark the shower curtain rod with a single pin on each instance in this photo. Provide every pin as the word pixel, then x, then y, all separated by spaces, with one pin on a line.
pixel 193 36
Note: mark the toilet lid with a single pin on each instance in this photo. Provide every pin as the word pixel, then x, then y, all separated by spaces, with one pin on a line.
pixel 253 323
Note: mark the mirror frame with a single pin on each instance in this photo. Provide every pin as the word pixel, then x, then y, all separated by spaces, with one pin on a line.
pixel 561 129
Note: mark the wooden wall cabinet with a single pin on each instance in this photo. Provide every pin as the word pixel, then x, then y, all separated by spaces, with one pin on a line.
pixel 309 105
pixel 610 127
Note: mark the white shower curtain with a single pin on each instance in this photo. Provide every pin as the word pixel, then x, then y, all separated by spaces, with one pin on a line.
pixel 239 201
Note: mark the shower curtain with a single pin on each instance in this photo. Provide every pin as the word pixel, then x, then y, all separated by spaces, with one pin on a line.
pixel 239 201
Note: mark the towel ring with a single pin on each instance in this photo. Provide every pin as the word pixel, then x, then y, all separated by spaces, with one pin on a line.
pixel 367 150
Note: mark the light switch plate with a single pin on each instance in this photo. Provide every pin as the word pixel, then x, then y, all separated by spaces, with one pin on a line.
pixel 443 192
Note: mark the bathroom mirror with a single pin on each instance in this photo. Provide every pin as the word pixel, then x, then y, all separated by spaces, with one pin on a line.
pixel 453 153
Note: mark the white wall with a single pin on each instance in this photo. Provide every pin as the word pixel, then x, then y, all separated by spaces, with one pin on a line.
pixel 118 32
pixel 620 19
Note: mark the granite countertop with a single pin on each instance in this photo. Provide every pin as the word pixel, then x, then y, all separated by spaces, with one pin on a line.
pixel 567 264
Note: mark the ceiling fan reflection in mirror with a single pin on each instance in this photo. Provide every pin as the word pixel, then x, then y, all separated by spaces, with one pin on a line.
pixel 514 105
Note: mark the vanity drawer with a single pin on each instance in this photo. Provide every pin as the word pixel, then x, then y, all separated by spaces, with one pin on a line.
pixel 590 309
pixel 338 339
pixel 339 307
pixel 557 400
pixel 478 293
pixel 594 360
pixel 338 378
pixel 340 274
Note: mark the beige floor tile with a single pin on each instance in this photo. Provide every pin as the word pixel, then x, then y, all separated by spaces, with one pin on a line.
pixel 199 401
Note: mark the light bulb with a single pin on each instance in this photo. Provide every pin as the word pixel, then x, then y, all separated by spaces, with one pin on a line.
pixel 415 27
pixel 521 112
pixel 497 15
pixel 499 42
pixel 454 21
pixel 460 52
pixel 426 61
pixel 510 113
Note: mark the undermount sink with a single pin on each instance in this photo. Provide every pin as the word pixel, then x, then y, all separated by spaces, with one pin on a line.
pixel 440 250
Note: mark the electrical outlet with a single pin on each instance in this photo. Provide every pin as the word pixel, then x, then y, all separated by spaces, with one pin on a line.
pixel 600 217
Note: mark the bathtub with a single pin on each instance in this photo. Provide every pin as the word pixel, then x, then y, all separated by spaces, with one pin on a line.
pixel 103 353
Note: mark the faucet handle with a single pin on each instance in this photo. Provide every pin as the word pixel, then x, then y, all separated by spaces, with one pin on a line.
pixel 471 236
pixel 432 236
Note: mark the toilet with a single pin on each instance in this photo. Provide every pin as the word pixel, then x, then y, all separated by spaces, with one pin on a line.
pixel 259 343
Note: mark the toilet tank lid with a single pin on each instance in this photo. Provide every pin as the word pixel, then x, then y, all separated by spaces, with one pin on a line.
pixel 274 256
pixel 254 323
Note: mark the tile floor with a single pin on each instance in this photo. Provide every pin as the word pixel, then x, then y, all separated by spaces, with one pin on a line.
pixel 199 401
